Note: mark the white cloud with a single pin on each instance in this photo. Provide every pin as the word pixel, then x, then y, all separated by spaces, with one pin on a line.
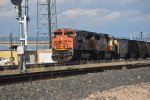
pixel 142 18
pixel 6 9
pixel 95 1
pixel 7 14
pixel 113 16
pixel 73 13
pixel 124 1
pixel 100 17
pixel 99 14
pixel 3 2
pixel 63 1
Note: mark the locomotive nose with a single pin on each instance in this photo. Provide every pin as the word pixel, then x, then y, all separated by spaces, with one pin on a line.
pixel 62 44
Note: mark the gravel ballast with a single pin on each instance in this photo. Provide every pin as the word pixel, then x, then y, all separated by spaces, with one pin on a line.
pixel 132 92
pixel 75 87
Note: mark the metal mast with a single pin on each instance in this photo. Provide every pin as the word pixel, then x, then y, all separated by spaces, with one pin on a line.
pixel 23 31
pixel 46 18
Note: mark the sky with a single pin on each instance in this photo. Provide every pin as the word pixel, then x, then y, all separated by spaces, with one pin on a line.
pixel 116 17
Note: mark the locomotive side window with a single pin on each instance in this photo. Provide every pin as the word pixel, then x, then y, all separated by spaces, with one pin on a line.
pixel 97 37
pixel 77 33
pixel 89 36
pixel 68 33
pixel 57 33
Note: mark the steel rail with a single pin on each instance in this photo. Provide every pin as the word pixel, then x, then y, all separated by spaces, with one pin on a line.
pixel 28 66
pixel 29 77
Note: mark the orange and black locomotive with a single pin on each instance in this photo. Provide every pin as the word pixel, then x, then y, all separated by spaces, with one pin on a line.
pixel 70 44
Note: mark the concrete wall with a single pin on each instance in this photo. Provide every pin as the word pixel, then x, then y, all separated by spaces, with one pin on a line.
pixel 44 56
pixel 31 57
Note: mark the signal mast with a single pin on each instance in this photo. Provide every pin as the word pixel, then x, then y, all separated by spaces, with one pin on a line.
pixel 23 21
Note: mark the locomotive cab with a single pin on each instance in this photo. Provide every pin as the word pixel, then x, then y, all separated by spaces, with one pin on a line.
pixel 62 44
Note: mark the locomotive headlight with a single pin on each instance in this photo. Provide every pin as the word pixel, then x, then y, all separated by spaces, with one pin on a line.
pixel 61 37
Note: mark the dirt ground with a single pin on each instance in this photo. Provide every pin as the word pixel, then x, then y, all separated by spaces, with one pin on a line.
pixel 136 92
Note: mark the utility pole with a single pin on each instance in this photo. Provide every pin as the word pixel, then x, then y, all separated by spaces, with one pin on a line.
pixel 11 57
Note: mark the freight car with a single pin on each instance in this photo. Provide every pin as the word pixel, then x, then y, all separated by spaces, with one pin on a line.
pixel 148 49
pixel 70 44
pixel 142 49
pixel 133 49
pixel 122 48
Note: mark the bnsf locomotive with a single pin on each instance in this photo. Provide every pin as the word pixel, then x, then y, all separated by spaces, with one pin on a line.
pixel 70 44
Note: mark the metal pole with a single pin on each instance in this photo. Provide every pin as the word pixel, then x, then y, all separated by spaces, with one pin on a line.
pixel 23 36
pixel 55 14
pixel 49 21
pixel 22 42
pixel 37 37
pixel 11 46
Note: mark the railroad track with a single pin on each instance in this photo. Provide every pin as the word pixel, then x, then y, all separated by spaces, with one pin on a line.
pixel 28 77
pixel 29 66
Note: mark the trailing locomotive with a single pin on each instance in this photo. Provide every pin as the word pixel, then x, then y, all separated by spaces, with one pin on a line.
pixel 70 44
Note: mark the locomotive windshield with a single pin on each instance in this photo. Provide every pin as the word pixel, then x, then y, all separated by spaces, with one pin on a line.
pixel 57 33
pixel 68 33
